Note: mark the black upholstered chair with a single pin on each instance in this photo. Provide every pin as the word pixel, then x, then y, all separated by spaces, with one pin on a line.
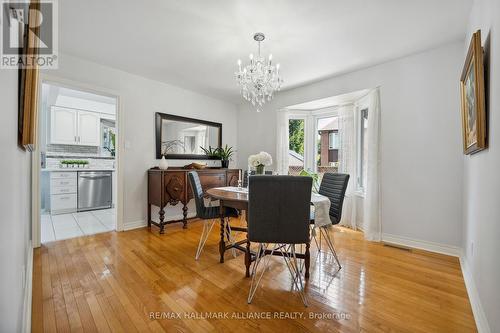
pixel 245 176
pixel 210 214
pixel 278 214
pixel 333 186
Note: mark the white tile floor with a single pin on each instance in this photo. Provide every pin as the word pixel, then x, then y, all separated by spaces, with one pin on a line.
pixel 57 227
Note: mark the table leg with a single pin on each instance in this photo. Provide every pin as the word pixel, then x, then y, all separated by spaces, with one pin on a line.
pixel 247 260
pixel 222 244
pixel 307 260
pixel 248 255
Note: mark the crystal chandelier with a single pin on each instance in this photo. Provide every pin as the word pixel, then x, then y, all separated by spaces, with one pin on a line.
pixel 260 79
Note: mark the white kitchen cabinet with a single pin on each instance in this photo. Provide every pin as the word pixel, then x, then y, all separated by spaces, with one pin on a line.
pixel 63 192
pixel 74 127
pixel 63 129
pixel 88 128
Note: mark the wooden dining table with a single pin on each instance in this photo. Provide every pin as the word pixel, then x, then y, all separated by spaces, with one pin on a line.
pixel 237 198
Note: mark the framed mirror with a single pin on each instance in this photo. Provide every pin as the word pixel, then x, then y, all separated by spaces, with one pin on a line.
pixel 182 138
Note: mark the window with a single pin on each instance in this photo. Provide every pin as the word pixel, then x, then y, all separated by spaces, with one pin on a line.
pixel 333 140
pixel 313 143
pixel 296 146
pixel 362 149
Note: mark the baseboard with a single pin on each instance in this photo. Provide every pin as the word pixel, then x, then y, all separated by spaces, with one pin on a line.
pixel 454 251
pixel 142 223
pixel 134 225
pixel 475 302
pixel 28 289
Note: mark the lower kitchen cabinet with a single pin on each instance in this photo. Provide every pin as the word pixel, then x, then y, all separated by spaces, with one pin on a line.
pixel 63 192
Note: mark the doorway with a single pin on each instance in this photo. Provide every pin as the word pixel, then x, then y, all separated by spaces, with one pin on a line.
pixel 76 165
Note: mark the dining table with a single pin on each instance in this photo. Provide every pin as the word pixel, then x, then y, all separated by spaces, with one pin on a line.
pixel 237 197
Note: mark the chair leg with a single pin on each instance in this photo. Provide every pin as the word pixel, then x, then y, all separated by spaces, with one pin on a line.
pixel 329 242
pixel 313 236
pixel 320 242
pixel 207 227
pixel 255 281
pixel 293 267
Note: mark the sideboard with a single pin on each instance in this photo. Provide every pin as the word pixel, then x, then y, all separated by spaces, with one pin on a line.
pixel 171 187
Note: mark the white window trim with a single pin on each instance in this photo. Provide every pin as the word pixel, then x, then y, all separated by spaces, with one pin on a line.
pixel 360 105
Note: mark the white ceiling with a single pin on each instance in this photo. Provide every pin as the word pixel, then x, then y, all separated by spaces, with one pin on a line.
pixel 195 44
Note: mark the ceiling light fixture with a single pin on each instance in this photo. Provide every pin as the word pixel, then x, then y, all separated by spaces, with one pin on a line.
pixel 260 79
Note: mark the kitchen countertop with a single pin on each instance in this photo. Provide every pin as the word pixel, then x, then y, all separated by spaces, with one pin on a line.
pixel 74 169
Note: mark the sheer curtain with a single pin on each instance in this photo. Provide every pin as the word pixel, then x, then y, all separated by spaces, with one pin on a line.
pixel 282 144
pixel 347 162
pixel 371 210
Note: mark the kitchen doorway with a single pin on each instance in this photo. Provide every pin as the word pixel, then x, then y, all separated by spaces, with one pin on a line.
pixel 76 168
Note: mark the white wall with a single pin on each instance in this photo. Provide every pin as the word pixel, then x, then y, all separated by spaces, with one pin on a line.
pixel 481 241
pixel 140 98
pixel 15 205
pixel 421 166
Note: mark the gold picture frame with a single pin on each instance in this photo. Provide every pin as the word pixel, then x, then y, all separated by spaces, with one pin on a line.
pixel 473 98
pixel 28 82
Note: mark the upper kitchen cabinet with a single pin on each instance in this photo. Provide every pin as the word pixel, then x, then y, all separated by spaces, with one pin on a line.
pixel 88 128
pixel 63 126
pixel 74 127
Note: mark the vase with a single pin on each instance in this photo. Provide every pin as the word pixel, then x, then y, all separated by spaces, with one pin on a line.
pixel 163 163
pixel 259 170
pixel 224 164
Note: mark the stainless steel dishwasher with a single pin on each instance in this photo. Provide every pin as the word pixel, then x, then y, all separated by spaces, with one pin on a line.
pixel 94 190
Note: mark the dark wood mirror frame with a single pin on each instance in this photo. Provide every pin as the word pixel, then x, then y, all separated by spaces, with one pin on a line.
pixel 164 116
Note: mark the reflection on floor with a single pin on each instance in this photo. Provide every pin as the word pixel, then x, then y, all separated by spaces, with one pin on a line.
pixel 64 226
pixel 142 281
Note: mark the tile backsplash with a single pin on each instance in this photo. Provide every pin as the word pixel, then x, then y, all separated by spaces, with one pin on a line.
pixel 73 149
pixel 94 163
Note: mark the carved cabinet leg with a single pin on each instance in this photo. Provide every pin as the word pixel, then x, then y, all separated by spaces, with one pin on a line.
pixel 149 216
pixel 184 214
pixel 162 220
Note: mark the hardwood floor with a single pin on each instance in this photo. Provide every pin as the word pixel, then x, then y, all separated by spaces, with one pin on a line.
pixel 140 281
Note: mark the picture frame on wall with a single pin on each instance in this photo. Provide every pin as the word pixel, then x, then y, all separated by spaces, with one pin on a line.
pixel 472 89
pixel 28 75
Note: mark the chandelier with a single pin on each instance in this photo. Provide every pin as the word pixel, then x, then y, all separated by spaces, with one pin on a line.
pixel 260 79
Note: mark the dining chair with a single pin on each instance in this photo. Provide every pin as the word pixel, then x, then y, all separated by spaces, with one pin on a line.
pixel 278 213
pixel 245 176
pixel 333 186
pixel 209 214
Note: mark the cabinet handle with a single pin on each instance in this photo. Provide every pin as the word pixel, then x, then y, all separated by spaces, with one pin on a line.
pixel 64 198
pixel 76 140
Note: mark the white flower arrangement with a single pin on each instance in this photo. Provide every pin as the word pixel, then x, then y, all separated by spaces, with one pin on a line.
pixel 260 159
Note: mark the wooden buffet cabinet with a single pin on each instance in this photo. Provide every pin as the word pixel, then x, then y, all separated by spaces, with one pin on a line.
pixel 172 186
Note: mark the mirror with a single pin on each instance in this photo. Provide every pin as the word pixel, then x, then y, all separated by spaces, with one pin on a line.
pixel 182 138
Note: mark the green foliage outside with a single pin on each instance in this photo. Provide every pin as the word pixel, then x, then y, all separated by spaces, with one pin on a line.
pixel 315 178
pixel 296 135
